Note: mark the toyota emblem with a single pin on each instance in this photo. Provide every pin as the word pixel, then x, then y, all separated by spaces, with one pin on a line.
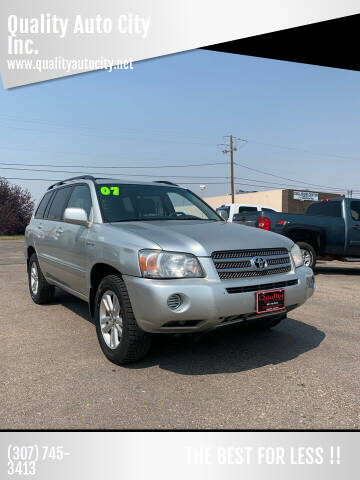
pixel 259 263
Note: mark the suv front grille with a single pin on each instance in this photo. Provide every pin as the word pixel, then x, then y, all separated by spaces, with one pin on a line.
pixel 240 263
pixel 249 253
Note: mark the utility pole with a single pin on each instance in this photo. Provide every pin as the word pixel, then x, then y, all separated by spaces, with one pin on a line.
pixel 231 149
pixel 232 169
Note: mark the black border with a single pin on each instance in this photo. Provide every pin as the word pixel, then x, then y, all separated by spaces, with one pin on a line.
pixel 331 43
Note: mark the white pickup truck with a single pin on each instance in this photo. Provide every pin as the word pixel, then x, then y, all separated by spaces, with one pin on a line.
pixel 228 211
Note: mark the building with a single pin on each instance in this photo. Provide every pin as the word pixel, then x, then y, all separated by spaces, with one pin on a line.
pixel 292 201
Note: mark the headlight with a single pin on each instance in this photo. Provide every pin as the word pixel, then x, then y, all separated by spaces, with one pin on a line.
pixel 297 256
pixel 160 264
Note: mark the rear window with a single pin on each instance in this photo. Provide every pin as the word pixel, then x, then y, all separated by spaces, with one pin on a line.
pixel 327 209
pixel 42 205
pixel 58 204
pixel 245 209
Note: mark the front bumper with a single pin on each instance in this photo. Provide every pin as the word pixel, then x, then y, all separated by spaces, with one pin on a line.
pixel 206 301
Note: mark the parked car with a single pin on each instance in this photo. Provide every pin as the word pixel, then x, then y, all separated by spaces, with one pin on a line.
pixel 154 258
pixel 330 229
pixel 228 211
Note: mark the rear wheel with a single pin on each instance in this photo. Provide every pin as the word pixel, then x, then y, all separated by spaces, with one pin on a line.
pixel 40 290
pixel 119 336
pixel 308 254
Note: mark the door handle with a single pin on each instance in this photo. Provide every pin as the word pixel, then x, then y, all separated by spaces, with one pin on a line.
pixel 356 227
pixel 59 231
pixel 40 227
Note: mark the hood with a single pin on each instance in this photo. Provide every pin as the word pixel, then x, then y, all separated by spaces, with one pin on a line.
pixel 201 238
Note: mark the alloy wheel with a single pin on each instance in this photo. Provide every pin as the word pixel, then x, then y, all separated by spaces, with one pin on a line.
pixel 111 321
pixel 34 278
pixel 307 257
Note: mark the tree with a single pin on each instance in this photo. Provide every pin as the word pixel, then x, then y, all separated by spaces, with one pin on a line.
pixel 16 207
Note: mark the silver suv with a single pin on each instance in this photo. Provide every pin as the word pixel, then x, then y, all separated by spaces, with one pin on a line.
pixel 154 258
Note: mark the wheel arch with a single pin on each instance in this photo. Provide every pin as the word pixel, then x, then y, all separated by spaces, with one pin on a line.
pixel 312 236
pixel 97 273
pixel 30 251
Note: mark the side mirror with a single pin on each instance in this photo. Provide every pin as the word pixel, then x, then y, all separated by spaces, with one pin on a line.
pixel 76 216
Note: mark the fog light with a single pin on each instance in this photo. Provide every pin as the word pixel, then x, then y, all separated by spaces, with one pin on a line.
pixel 174 301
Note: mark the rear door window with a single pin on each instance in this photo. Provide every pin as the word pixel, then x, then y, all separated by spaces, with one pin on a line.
pixel 81 198
pixel 43 204
pixel 58 204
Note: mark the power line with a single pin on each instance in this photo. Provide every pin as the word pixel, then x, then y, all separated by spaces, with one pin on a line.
pixel 101 173
pixel 68 125
pixel 186 183
pixel 264 172
pixel 115 166
pixel 257 181
pixel 285 178
pixel 61 179
pixel 51 123
pixel 302 150
pixel 148 139
pixel 278 185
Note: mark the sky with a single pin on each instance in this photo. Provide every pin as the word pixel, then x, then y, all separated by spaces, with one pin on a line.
pixel 299 121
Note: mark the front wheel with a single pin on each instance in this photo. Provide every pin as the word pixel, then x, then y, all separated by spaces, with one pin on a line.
pixel 119 336
pixel 308 254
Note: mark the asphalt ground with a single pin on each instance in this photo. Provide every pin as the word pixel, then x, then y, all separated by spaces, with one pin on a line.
pixel 303 374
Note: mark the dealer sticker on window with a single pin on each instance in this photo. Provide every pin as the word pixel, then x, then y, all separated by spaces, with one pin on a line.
pixel 110 191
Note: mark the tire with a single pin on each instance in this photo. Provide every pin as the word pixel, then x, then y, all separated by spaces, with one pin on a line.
pixel 120 338
pixel 309 253
pixel 41 291
pixel 265 323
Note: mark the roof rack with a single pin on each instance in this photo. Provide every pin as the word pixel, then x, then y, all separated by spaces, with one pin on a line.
pixel 90 177
pixel 82 177
pixel 166 182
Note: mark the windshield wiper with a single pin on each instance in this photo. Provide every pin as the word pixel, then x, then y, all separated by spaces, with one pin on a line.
pixel 199 219
pixel 147 219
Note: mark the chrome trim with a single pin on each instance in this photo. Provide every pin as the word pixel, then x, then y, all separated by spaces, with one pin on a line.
pixel 241 263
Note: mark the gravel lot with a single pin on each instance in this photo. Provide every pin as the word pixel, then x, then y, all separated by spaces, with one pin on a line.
pixel 303 374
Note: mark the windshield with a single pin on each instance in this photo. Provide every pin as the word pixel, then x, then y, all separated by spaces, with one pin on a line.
pixel 125 203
